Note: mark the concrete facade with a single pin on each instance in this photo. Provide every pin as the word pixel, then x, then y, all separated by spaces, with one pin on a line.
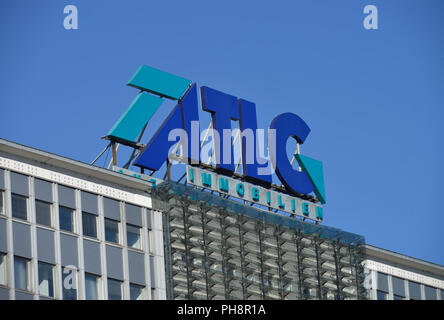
pixel 32 181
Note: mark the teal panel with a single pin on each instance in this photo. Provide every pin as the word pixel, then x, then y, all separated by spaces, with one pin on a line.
pixel 159 82
pixel 315 172
pixel 134 119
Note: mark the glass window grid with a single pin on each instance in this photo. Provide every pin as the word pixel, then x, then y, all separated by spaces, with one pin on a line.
pixel 138 244
pixel 140 289
pixel 150 234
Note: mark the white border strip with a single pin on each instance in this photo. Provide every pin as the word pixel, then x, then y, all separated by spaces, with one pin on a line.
pixel 76 183
pixel 412 276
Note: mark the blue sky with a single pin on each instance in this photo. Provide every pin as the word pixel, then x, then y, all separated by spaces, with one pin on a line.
pixel 372 98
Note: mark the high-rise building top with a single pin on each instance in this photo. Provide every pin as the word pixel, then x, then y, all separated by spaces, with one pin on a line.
pixel 70 230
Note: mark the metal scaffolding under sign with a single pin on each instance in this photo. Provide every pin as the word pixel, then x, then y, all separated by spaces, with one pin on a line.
pixel 217 248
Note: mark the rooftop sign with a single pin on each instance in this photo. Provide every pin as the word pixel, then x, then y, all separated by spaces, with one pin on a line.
pixel 182 127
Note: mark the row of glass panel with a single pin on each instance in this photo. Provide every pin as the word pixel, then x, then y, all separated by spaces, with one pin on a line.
pixel 43 212
pixel 193 268
pixel 23 276
pixel 399 287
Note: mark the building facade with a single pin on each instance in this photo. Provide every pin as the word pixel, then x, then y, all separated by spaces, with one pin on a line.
pixel 70 230
pixel 393 276
pixel 74 231
pixel 216 248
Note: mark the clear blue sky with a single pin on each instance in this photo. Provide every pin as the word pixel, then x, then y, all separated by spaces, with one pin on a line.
pixel 373 99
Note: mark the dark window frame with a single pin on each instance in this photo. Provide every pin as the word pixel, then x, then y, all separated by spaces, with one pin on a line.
pixel 140 246
pixel 73 224
pixel 27 274
pixel 85 228
pixel 51 286
pixel 380 292
pixel 50 213
pixel 110 294
pixel 18 196
pixel 107 238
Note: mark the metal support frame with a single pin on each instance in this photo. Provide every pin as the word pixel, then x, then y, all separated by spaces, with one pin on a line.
pixel 299 263
pixel 168 255
pixel 325 257
pixel 337 270
pixel 101 153
pixel 318 268
pixel 187 251
pixel 114 159
pixel 279 260
pixel 242 255
pixel 223 254
pixel 259 229
pixel 203 211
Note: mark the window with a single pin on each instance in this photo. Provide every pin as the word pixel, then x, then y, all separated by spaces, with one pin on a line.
pixel 114 289
pixel 89 222
pixel 430 293
pixel 66 219
pixel 19 207
pixel 43 213
pixel 133 236
pixel 136 292
pixel 111 230
pixel 415 290
pixel 396 297
pixel 381 295
pixel 1 202
pixel 69 283
pixel 46 279
pixel 382 280
pixel 2 269
pixel 398 285
pixel 21 274
pixel 91 287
